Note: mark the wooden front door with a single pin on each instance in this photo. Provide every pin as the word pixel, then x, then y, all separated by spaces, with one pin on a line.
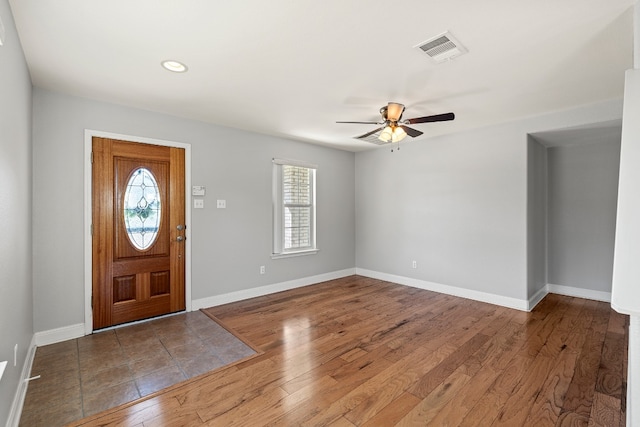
pixel 138 216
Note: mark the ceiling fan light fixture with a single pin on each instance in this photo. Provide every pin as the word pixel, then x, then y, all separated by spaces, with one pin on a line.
pixel 393 134
pixel 393 128
pixel 394 111
pixel 174 66
pixel 398 134
pixel 386 135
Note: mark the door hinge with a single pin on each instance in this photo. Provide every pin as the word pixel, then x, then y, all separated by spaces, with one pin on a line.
pixel 92 229
pixel 92 157
pixel 92 302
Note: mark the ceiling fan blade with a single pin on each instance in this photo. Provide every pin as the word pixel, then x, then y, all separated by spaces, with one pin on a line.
pixel 394 111
pixel 369 133
pixel 364 123
pixel 429 119
pixel 411 132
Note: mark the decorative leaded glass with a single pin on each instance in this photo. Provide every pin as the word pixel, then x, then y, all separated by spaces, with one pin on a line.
pixel 142 209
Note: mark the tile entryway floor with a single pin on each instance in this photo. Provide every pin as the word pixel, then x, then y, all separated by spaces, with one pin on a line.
pixel 87 375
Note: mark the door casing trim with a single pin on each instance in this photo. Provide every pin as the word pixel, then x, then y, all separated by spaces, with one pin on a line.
pixel 88 259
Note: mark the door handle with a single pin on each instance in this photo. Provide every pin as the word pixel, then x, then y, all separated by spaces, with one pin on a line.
pixel 181 227
pixel 181 238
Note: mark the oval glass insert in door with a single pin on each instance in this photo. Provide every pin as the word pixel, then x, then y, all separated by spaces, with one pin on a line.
pixel 142 209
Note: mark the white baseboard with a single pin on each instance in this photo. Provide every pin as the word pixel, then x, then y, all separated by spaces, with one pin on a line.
pixel 269 289
pixel 53 336
pixel 76 331
pixel 65 333
pixel 518 304
pixel 21 392
pixel 535 299
pixel 579 292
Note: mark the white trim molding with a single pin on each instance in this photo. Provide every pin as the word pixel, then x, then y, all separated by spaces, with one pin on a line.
pixel 570 291
pixel 633 372
pixel 70 332
pixel 508 302
pixel 269 289
pixel 536 298
pixel 21 392
pixel 518 304
pixel 53 336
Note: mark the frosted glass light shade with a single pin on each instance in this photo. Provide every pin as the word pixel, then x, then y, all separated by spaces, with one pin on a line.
pixel 386 135
pixel 398 134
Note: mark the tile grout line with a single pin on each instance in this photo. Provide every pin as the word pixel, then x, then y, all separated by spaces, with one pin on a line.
pixel 173 359
pixel 127 361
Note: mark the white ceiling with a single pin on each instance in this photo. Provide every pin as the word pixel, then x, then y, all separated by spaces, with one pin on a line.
pixel 292 68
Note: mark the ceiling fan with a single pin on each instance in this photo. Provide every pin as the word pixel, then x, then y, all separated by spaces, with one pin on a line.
pixel 393 128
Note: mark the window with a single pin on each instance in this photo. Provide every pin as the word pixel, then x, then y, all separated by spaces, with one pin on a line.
pixel 294 208
pixel 142 209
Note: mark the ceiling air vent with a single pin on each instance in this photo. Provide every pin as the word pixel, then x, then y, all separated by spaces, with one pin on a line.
pixel 442 47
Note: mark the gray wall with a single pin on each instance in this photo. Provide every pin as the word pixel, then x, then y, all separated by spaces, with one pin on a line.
pixel 16 307
pixel 228 245
pixel 456 204
pixel 536 217
pixel 583 189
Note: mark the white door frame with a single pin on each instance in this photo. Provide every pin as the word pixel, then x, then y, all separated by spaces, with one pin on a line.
pixel 88 260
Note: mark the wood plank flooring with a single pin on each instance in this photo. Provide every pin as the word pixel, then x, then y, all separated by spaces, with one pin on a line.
pixel 364 352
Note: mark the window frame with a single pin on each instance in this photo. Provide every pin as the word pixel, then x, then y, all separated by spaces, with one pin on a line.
pixel 278 250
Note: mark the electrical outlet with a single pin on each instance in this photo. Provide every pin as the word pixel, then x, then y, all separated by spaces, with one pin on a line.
pixel 414 264
pixel 262 269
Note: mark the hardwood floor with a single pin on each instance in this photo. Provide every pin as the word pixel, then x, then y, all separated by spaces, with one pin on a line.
pixel 364 352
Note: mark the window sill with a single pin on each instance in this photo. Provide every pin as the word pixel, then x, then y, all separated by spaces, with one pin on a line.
pixel 294 254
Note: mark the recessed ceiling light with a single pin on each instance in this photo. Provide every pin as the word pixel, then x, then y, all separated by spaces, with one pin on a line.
pixel 175 66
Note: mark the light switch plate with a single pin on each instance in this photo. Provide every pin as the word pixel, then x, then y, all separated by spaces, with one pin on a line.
pixel 198 190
